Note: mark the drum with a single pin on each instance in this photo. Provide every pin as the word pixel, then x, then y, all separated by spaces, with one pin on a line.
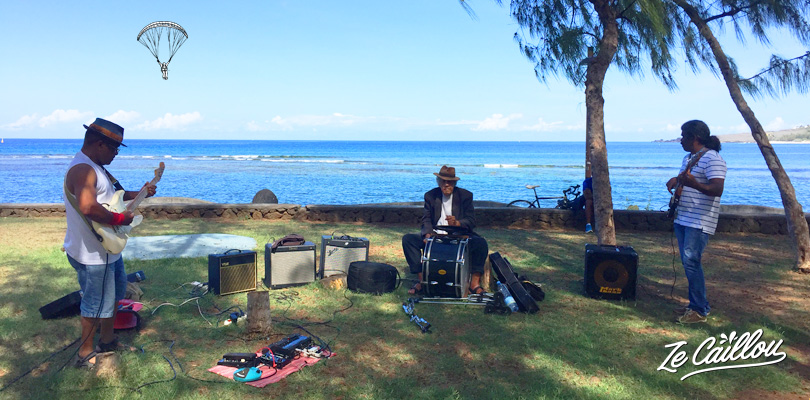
pixel 445 267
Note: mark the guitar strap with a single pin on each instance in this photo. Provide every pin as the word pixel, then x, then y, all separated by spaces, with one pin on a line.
pixel 72 200
pixel 115 183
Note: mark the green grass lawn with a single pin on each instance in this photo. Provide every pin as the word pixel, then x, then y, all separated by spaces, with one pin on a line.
pixel 574 348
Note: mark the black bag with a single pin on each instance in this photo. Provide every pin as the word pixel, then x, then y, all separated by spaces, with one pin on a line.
pixel 371 277
pixel 534 289
pixel 292 239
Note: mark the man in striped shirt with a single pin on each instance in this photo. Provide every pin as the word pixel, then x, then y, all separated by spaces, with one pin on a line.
pixel 698 211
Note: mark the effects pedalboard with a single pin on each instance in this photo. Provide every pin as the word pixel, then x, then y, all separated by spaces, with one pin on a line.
pixel 276 355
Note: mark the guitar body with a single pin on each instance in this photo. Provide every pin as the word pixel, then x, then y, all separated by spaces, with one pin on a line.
pixel 674 201
pixel 114 238
pixel 676 195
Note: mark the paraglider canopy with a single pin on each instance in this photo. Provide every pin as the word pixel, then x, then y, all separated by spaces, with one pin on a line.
pixel 150 36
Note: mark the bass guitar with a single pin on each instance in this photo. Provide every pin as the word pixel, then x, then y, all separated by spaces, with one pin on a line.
pixel 114 237
pixel 678 189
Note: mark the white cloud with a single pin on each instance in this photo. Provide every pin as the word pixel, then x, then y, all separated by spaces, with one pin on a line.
pixel 24 121
pixel 122 117
pixel 775 125
pixel 311 121
pixel 544 126
pixel 497 122
pixel 62 116
pixel 171 122
pixel 733 129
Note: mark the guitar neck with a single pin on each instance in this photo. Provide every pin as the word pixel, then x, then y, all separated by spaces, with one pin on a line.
pixel 142 193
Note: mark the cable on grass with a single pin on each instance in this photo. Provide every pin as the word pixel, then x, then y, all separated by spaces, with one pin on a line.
pixel 13 381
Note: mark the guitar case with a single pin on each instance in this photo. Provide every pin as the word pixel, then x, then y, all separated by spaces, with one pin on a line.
pixel 67 306
pixel 507 276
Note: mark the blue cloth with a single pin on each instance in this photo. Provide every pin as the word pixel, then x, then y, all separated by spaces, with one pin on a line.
pixel 96 289
pixel 587 184
pixel 691 242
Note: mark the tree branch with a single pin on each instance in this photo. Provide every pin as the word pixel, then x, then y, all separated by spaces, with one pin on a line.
pixel 621 14
pixel 732 12
pixel 765 71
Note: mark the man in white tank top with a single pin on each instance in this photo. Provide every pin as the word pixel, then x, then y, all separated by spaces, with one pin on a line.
pixel 101 275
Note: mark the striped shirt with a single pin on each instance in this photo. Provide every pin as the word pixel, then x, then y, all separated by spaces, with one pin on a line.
pixel 697 210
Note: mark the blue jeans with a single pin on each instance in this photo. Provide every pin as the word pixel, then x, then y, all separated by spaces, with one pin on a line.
pixel 102 287
pixel 691 242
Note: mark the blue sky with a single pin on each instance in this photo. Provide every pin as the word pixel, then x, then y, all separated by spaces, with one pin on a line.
pixel 355 70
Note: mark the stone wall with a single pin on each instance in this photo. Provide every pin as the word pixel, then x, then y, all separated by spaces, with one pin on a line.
pixel 502 217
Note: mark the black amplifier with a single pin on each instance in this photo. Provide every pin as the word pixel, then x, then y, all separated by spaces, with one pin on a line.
pixel 232 272
pixel 289 265
pixel 337 252
pixel 611 272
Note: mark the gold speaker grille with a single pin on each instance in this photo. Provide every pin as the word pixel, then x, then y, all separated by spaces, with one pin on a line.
pixel 237 278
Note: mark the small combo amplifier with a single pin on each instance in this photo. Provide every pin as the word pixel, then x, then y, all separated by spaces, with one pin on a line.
pixel 611 272
pixel 289 265
pixel 232 272
pixel 337 252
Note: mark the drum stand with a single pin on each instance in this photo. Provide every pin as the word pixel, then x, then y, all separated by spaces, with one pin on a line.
pixel 471 300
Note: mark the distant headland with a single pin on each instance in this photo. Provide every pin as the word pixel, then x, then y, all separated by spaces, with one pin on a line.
pixel 800 134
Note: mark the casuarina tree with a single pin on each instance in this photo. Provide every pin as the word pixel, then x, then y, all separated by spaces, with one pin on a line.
pixel 581 39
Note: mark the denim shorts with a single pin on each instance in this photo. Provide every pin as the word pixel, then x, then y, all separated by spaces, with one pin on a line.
pixel 99 295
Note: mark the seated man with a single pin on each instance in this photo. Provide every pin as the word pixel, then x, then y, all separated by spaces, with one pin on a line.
pixel 453 206
pixel 585 201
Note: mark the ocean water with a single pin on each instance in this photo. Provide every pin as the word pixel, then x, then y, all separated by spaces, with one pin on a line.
pixel 351 172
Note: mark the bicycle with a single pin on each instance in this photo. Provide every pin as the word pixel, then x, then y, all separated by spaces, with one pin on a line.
pixel 564 202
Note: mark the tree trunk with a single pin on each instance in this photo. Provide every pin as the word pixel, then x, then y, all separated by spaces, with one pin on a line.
pixel 796 221
pixel 595 130
pixel 258 312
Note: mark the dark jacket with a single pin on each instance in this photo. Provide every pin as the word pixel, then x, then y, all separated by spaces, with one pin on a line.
pixel 463 209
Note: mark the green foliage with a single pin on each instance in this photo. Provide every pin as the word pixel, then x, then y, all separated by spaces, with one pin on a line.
pixel 780 77
pixel 757 18
pixel 557 34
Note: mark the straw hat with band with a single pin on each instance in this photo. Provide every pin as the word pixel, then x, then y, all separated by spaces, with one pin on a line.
pixel 107 129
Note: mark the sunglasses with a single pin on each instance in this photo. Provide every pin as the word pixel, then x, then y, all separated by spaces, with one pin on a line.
pixel 112 147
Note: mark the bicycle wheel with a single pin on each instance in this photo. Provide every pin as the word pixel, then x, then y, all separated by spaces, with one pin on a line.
pixel 521 203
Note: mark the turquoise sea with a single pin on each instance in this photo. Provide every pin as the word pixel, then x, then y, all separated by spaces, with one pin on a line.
pixel 355 172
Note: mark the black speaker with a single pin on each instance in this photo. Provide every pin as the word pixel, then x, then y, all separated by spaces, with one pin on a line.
pixel 289 265
pixel 67 306
pixel 337 252
pixel 371 277
pixel 611 272
pixel 232 272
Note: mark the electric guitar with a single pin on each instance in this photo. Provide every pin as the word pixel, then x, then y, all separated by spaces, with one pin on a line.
pixel 114 237
pixel 678 189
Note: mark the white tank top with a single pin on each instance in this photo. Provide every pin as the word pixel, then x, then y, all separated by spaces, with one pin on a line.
pixel 80 242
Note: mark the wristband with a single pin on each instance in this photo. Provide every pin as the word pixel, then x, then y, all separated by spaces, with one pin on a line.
pixel 118 219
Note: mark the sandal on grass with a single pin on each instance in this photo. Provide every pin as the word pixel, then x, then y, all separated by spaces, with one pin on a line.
pixel 84 362
pixel 112 346
pixel 477 290
pixel 416 288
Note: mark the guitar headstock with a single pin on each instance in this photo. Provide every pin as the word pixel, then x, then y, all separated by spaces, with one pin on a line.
pixel 159 173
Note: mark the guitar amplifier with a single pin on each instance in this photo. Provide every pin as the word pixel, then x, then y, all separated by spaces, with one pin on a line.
pixel 611 272
pixel 337 252
pixel 232 272
pixel 289 265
